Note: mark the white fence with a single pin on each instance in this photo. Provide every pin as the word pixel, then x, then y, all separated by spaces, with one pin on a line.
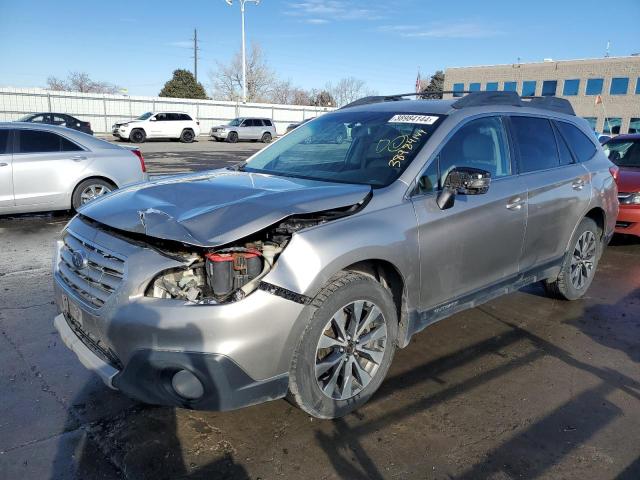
pixel 104 110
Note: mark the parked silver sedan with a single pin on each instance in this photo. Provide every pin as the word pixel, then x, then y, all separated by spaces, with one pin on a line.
pixel 47 167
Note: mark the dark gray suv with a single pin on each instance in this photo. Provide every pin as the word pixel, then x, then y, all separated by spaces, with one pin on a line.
pixel 299 272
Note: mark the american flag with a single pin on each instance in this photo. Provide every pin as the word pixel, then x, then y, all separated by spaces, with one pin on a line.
pixel 418 82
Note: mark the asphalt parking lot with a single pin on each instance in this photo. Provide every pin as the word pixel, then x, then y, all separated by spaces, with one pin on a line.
pixel 522 387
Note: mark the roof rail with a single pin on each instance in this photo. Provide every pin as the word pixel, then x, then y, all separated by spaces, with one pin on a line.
pixel 393 98
pixel 478 99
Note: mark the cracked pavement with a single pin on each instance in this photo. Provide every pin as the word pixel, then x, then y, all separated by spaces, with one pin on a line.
pixel 521 387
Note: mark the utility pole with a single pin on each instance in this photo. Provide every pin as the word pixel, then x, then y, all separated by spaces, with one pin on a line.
pixel 244 59
pixel 195 53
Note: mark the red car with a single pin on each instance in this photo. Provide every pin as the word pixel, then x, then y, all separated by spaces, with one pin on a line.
pixel 624 151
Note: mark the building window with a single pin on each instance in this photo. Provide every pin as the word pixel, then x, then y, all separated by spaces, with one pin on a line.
pixel 492 86
pixel 474 87
pixel 549 88
pixel 510 86
pixel 634 125
pixel 529 88
pixel 571 87
pixel 457 89
pixel 638 86
pixel 592 122
pixel 612 125
pixel 594 86
pixel 619 86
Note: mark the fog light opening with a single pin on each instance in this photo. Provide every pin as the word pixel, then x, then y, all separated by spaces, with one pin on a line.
pixel 187 385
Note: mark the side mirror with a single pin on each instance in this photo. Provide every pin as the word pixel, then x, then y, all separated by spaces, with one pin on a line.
pixel 463 181
pixel 153 119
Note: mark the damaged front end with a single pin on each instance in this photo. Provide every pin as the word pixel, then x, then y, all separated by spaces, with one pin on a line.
pixel 231 272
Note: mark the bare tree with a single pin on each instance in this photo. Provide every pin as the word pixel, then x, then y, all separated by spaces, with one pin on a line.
pixel 348 90
pixel 227 80
pixel 80 82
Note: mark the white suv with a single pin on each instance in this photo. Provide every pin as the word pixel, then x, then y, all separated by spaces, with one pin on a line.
pixel 178 125
pixel 245 129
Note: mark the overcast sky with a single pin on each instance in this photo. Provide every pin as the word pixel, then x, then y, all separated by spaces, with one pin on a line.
pixel 137 44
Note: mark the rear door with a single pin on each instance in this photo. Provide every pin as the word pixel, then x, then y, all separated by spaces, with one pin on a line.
pixel 6 169
pixel 174 125
pixel 45 166
pixel 558 189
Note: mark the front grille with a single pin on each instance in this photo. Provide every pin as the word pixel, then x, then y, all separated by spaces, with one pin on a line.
pixel 98 277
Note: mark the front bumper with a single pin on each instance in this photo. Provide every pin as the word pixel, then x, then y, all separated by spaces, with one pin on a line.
pixel 240 351
pixel 219 134
pixel 628 221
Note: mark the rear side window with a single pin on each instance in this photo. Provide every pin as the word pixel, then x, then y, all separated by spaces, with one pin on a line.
pixel 535 143
pixel 581 146
pixel 33 141
pixel 184 116
pixel 268 123
pixel 4 141
pixel 565 154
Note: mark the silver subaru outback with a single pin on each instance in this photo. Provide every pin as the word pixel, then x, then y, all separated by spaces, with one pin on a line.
pixel 299 272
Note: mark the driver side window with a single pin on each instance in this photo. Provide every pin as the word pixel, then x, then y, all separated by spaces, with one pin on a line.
pixel 479 144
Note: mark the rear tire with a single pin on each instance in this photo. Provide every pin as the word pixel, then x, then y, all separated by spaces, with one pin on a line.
pixel 138 135
pixel 187 136
pixel 266 138
pixel 579 264
pixel 89 190
pixel 232 137
pixel 346 349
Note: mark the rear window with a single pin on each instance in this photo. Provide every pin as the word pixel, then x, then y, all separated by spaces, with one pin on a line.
pixel 535 143
pixel 581 146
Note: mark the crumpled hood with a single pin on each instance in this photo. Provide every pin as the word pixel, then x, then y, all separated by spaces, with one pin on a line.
pixel 217 207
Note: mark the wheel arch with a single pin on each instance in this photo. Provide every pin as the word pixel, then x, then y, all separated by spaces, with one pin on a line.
pixel 389 276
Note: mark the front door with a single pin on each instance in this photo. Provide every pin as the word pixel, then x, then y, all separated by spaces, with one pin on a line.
pixel 476 243
pixel 6 169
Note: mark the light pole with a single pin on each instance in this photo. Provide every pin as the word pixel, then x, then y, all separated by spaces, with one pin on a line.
pixel 244 56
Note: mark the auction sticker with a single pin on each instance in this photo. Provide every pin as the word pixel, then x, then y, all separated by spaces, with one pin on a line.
pixel 419 119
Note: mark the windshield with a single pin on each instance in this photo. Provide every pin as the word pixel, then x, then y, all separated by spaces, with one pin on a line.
pixel 235 122
pixel 623 153
pixel 26 118
pixel 144 116
pixel 371 148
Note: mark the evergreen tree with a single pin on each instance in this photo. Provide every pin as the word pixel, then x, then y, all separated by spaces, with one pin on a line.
pixel 183 85
pixel 434 89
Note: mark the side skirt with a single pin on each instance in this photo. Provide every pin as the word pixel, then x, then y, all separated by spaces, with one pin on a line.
pixel 418 321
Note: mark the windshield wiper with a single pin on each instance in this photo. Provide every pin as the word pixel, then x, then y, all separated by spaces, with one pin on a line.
pixel 237 167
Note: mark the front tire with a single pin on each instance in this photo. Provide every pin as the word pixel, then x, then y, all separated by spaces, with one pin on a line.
pixel 346 349
pixel 232 137
pixel 138 136
pixel 579 264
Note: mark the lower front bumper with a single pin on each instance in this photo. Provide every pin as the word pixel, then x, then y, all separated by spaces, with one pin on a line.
pixel 628 221
pixel 147 377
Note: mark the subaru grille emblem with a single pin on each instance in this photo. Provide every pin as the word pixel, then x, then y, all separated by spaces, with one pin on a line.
pixel 79 259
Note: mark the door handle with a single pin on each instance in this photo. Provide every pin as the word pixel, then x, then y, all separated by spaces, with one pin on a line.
pixel 515 203
pixel 578 184
pixel 78 158
pixel 3 164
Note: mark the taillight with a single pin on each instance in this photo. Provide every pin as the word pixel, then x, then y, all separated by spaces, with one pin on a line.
pixel 138 154
pixel 614 172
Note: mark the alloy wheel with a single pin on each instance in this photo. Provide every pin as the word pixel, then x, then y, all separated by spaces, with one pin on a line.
pixel 583 259
pixel 92 192
pixel 350 349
